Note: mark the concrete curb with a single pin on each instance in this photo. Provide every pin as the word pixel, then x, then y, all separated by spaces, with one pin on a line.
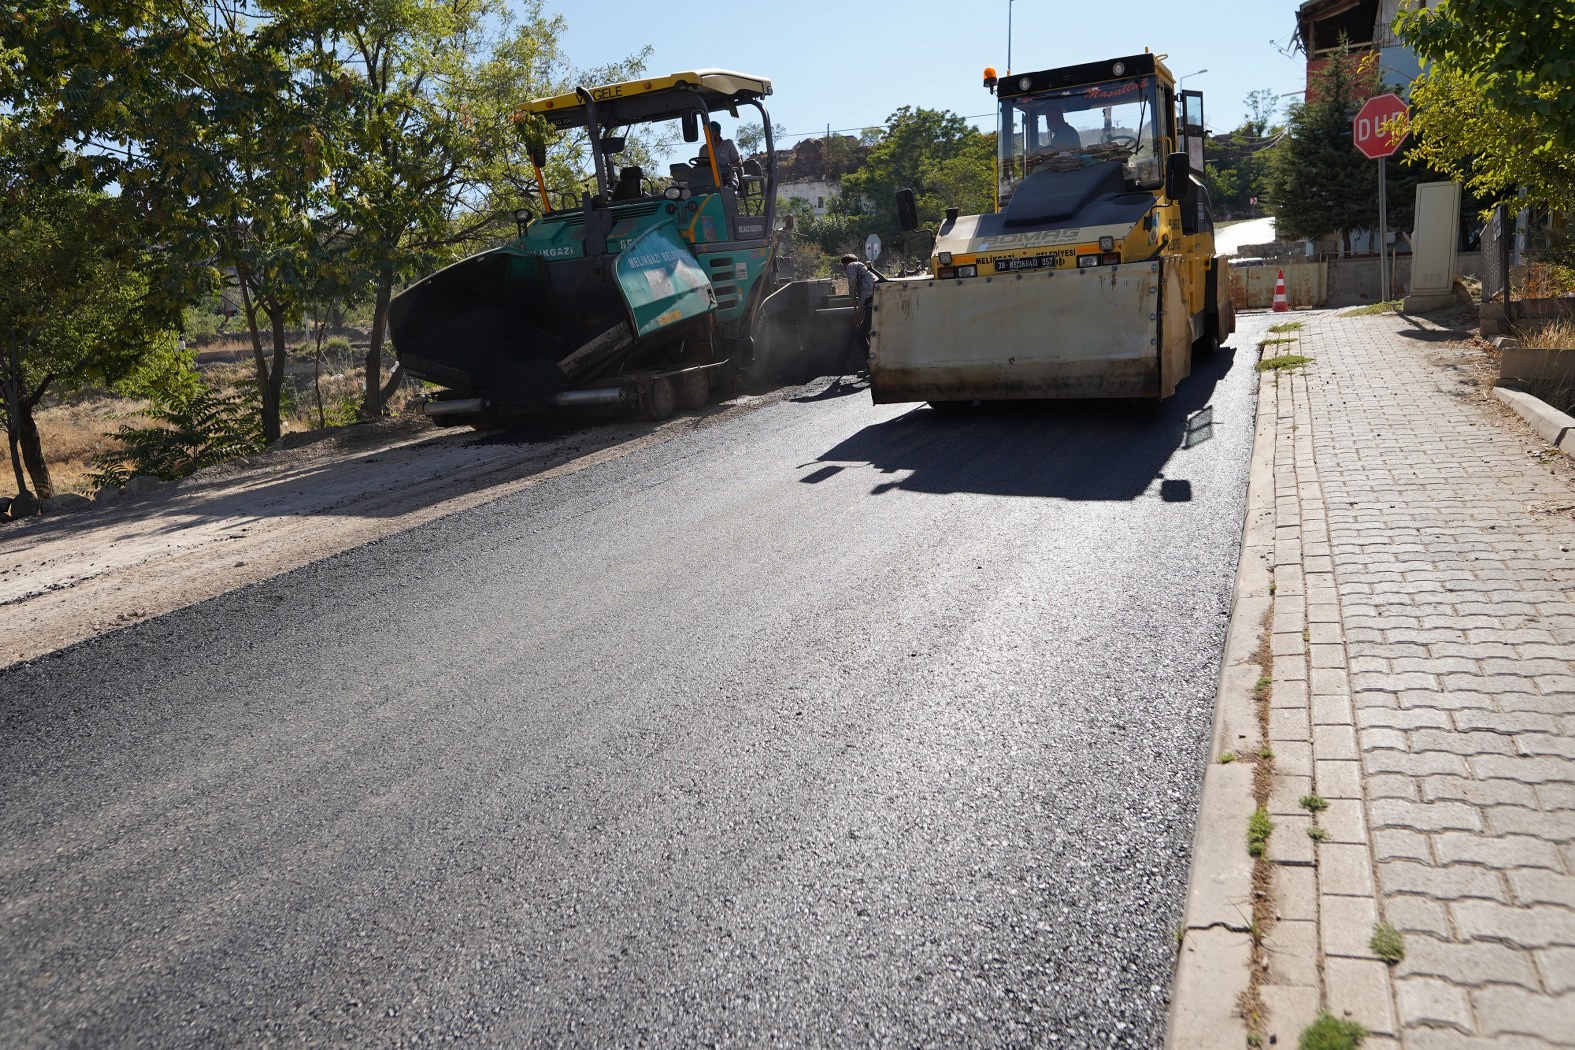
pixel 1553 426
pixel 1215 960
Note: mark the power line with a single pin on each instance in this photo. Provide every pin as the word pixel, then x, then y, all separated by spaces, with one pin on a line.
pixel 823 132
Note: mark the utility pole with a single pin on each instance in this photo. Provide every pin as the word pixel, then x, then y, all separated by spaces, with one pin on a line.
pixel 1009 5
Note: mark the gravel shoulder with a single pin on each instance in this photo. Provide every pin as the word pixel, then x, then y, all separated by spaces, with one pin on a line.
pixel 70 578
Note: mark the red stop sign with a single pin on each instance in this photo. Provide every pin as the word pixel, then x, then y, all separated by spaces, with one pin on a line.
pixel 1367 127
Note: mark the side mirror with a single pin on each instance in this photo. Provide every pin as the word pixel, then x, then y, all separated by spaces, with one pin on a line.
pixel 613 143
pixel 1178 173
pixel 907 211
pixel 691 127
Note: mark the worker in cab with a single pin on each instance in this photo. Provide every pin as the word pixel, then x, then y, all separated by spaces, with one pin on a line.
pixel 728 161
pixel 1062 134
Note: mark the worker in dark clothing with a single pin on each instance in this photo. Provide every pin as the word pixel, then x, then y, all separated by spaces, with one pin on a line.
pixel 861 289
pixel 1062 134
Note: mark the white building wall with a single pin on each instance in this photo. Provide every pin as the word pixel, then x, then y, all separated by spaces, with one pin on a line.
pixel 819 193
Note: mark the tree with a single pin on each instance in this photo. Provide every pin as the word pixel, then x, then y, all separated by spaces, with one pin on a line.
pixel 206 120
pixel 937 154
pixel 432 155
pixel 1236 167
pixel 1263 106
pixel 74 310
pixel 1318 184
pixel 751 136
pixel 1496 110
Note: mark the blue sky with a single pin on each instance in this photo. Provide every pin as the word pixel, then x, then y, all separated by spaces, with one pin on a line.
pixel 850 64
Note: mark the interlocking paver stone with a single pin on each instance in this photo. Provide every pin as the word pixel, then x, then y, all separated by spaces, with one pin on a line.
pixel 1418 915
pixel 1519 820
pixel 1433 816
pixel 1533 926
pixel 1517 1011
pixel 1503 852
pixel 1431 1002
pixel 1558 969
pixel 1467 964
pixel 1360 989
pixel 1478 792
pixel 1346 925
pixel 1543 887
pixel 1345 868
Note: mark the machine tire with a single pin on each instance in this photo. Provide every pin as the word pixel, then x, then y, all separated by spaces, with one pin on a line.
pixel 658 401
pixel 693 389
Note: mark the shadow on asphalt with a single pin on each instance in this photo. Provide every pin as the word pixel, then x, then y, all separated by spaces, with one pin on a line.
pixel 1076 450
pixel 840 386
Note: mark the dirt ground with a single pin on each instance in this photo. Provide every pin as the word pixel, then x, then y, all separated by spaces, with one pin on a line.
pixel 69 578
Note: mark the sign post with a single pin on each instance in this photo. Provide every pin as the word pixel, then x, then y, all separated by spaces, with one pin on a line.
pixel 1375 143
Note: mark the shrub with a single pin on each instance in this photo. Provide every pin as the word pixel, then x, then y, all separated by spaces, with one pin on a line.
pixel 187 431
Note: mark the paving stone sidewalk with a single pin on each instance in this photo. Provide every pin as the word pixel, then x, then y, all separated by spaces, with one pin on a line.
pixel 1423 633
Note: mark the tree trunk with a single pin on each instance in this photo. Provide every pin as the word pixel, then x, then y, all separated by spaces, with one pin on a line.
pixel 270 406
pixel 11 384
pixel 372 402
pixel 32 446
pixel 276 380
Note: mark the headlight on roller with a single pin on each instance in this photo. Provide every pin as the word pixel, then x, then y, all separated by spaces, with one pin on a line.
pixel 1103 259
pixel 968 271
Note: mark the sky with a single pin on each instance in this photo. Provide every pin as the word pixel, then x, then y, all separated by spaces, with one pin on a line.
pixel 849 65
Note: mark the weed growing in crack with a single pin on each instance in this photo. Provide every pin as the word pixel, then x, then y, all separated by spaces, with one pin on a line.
pixel 1313 803
pixel 1329 1032
pixel 1386 943
pixel 1259 828
pixel 1283 363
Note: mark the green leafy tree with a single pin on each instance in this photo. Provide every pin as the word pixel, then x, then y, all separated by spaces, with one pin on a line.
pixel 751 136
pixel 434 154
pixel 74 310
pixel 1318 184
pixel 938 155
pixel 1496 110
pixel 1236 163
pixel 207 119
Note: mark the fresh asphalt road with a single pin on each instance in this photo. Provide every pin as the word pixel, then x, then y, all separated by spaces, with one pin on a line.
pixel 831 724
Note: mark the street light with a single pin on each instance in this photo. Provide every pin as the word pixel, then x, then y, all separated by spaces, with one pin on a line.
pixel 1183 80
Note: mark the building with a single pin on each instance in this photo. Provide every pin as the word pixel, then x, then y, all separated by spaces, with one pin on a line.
pixel 1364 27
pixel 812 170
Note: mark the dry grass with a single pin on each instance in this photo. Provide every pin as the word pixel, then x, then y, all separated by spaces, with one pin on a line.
pixel 76 431
pixel 1554 335
pixel 1551 335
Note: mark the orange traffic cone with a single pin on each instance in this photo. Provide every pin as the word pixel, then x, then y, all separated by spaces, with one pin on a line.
pixel 1281 303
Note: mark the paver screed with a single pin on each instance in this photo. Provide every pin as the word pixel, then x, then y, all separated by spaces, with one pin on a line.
pixel 1423 636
